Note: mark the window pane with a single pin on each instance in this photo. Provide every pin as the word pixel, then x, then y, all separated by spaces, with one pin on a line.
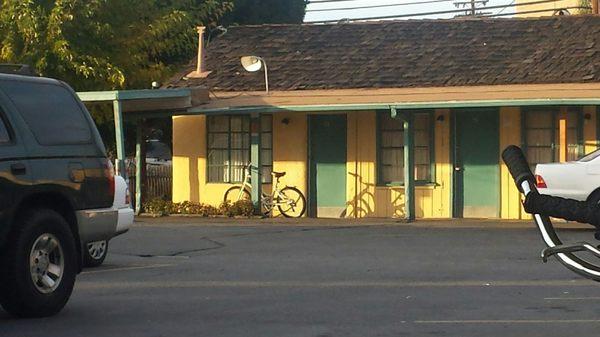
pixel 218 140
pixel 47 108
pixel 4 136
pixel 265 141
pixel 240 140
pixel 392 138
pixel 266 123
pixel 218 124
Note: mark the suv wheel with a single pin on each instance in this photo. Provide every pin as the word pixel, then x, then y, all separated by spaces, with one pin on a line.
pixel 95 253
pixel 39 266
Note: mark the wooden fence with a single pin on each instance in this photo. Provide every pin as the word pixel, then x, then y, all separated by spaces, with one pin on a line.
pixel 159 182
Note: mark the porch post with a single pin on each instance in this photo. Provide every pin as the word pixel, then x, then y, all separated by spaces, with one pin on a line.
pixel 409 170
pixel 119 138
pixel 140 163
pixel 256 177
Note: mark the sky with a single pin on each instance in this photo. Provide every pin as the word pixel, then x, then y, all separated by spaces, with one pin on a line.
pixel 442 5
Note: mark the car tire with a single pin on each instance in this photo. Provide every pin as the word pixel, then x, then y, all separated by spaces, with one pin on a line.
pixel 594 197
pixel 38 265
pixel 94 253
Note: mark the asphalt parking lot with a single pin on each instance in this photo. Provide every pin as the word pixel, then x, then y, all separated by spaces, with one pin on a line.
pixel 320 279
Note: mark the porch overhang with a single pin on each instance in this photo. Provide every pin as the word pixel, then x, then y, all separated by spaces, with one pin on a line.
pixel 138 105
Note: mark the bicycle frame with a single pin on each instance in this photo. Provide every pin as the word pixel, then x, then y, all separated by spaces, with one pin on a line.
pixel 268 199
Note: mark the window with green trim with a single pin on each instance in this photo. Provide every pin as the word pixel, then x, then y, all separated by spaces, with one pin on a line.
pixel 390 148
pixel 228 147
pixel 541 134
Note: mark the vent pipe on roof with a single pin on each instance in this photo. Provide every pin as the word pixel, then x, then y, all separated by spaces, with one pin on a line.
pixel 200 71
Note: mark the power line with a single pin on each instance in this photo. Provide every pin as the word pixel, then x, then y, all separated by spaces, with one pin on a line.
pixel 502 10
pixel 375 6
pixel 431 13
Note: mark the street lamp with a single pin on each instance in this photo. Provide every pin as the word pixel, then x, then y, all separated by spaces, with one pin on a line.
pixel 254 64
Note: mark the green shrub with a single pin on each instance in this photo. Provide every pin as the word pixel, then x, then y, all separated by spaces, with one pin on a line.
pixel 225 209
pixel 161 207
pixel 158 207
pixel 243 208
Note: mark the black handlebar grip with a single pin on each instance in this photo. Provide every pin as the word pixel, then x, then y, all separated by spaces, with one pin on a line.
pixel 517 165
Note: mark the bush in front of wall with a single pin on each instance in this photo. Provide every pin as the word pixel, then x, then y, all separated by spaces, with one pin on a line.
pixel 242 208
pixel 158 207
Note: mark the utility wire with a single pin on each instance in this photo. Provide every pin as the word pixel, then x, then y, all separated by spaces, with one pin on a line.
pixel 376 6
pixel 430 13
pixel 502 10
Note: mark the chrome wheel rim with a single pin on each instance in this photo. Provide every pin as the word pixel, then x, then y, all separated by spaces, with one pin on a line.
pixel 46 263
pixel 97 249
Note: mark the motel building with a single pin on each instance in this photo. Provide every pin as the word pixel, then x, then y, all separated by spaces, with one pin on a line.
pixel 394 119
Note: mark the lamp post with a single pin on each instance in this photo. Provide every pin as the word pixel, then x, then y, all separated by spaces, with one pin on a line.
pixel 255 63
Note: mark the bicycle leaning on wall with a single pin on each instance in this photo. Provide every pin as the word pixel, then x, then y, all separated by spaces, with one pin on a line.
pixel 289 200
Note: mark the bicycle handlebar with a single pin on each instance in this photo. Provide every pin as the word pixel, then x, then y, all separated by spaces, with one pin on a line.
pixel 541 207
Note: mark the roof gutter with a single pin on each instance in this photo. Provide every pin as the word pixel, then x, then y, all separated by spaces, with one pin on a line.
pixel 395 105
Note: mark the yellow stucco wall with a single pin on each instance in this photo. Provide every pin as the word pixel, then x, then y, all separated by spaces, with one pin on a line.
pixel 510 134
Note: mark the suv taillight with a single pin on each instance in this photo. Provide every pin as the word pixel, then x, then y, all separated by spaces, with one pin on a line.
pixel 109 173
pixel 539 181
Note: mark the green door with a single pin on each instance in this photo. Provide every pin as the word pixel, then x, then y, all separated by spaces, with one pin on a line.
pixel 476 163
pixel 327 165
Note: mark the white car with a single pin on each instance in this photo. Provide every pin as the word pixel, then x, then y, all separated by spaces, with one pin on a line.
pixel 579 180
pixel 96 252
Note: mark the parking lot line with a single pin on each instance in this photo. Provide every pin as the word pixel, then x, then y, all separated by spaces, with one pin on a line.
pixel 512 321
pixel 572 298
pixel 104 270
pixel 331 284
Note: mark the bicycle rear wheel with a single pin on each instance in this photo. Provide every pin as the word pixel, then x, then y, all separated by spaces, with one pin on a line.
pixel 233 194
pixel 291 203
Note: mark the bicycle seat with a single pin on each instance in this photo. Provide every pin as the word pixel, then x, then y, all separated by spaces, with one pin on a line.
pixel 278 174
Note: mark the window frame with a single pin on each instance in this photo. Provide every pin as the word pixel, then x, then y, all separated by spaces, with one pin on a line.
pixel 266 179
pixel 229 148
pixel 8 127
pixel 555 110
pixel 379 152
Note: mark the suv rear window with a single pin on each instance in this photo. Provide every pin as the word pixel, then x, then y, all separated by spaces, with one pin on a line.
pixel 4 136
pixel 51 111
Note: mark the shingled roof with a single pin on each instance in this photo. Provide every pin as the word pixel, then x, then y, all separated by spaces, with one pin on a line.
pixel 397 54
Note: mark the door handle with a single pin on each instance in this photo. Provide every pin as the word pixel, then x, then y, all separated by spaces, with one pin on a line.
pixel 458 168
pixel 18 169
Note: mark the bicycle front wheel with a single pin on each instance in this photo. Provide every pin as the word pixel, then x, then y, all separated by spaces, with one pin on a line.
pixel 236 193
pixel 291 203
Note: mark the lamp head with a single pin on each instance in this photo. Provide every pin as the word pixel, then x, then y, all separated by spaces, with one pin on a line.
pixel 251 63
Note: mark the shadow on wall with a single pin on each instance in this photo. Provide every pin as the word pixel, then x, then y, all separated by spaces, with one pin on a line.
pixel 371 202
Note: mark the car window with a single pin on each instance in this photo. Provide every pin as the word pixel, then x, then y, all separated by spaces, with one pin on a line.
pixel 51 111
pixel 4 135
pixel 590 156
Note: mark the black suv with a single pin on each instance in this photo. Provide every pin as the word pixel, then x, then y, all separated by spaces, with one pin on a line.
pixel 56 193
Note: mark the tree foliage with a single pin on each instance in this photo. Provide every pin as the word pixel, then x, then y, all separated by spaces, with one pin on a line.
pixel 104 44
pixel 254 12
